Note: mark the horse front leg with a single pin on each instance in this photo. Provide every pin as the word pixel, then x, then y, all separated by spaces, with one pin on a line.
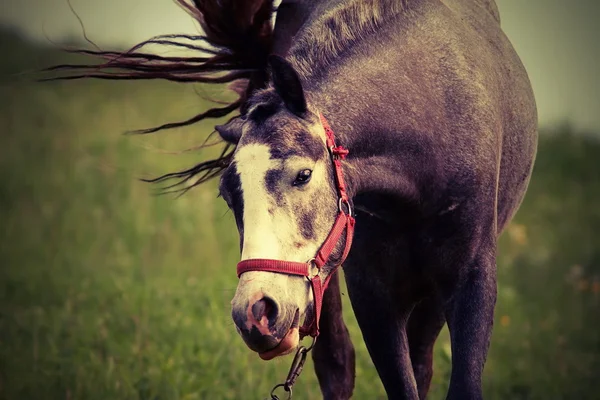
pixel 470 315
pixel 333 354
pixel 424 325
pixel 383 321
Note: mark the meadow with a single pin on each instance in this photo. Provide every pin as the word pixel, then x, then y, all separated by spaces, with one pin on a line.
pixel 109 291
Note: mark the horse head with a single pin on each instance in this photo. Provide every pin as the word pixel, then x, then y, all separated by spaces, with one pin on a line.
pixel 281 187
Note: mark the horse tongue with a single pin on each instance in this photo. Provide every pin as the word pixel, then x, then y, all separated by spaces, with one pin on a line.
pixel 286 346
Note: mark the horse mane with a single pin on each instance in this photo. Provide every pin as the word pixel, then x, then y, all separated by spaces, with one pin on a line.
pixel 234 49
pixel 332 33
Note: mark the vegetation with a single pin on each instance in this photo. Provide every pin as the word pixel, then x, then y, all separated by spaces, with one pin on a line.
pixel 110 292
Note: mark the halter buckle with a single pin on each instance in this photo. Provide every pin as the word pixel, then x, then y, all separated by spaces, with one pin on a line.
pixel 339 152
pixel 313 269
pixel 341 202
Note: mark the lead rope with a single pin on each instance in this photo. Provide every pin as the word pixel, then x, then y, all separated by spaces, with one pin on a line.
pixel 294 373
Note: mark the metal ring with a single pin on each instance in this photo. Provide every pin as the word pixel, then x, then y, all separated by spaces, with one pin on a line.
pixel 341 202
pixel 312 265
pixel 314 340
pixel 288 390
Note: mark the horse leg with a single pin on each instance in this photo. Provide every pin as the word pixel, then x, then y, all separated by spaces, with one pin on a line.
pixel 383 324
pixel 424 325
pixel 470 315
pixel 333 354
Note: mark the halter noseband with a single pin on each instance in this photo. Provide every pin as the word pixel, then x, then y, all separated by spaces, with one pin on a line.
pixel 343 221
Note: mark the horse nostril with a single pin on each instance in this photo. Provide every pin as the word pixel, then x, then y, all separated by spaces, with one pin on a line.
pixel 265 307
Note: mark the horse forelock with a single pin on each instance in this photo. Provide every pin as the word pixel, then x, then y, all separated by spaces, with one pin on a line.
pixel 270 123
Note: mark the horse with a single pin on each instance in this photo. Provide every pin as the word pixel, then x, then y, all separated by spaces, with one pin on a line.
pixel 412 122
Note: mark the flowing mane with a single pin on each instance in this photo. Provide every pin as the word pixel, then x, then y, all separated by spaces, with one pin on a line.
pixel 236 41
pixel 234 48
pixel 318 45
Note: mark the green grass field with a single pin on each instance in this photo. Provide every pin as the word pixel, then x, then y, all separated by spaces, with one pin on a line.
pixel 110 292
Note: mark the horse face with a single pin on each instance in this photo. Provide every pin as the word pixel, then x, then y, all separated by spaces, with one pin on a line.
pixel 280 187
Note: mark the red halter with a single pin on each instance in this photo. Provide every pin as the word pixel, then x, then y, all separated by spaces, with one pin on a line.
pixel 343 221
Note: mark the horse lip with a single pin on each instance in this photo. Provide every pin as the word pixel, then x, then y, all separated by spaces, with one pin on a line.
pixel 273 352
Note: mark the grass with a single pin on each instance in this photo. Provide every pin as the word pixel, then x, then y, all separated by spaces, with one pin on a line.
pixel 110 292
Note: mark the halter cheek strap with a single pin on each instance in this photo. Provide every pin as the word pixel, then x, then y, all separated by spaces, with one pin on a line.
pixel 344 222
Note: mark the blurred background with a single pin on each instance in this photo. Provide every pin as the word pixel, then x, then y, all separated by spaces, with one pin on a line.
pixel 110 292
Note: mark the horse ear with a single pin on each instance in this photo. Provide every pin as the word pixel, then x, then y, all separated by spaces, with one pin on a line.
pixel 287 85
pixel 231 132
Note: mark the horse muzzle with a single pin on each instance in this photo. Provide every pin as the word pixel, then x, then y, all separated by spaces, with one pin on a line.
pixel 267 326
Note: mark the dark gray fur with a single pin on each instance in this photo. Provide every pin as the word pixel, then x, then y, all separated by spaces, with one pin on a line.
pixel 440 120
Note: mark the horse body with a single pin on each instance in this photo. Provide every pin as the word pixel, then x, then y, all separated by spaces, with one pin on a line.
pixel 440 120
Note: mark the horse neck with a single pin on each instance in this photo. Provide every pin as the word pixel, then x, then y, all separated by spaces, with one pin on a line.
pixel 335 27
pixel 377 162
pixel 338 88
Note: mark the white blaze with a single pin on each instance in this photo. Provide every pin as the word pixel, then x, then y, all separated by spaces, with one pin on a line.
pixel 265 234
pixel 262 230
pixel 270 229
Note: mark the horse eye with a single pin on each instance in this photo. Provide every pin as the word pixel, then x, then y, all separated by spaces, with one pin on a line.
pixel 303 177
